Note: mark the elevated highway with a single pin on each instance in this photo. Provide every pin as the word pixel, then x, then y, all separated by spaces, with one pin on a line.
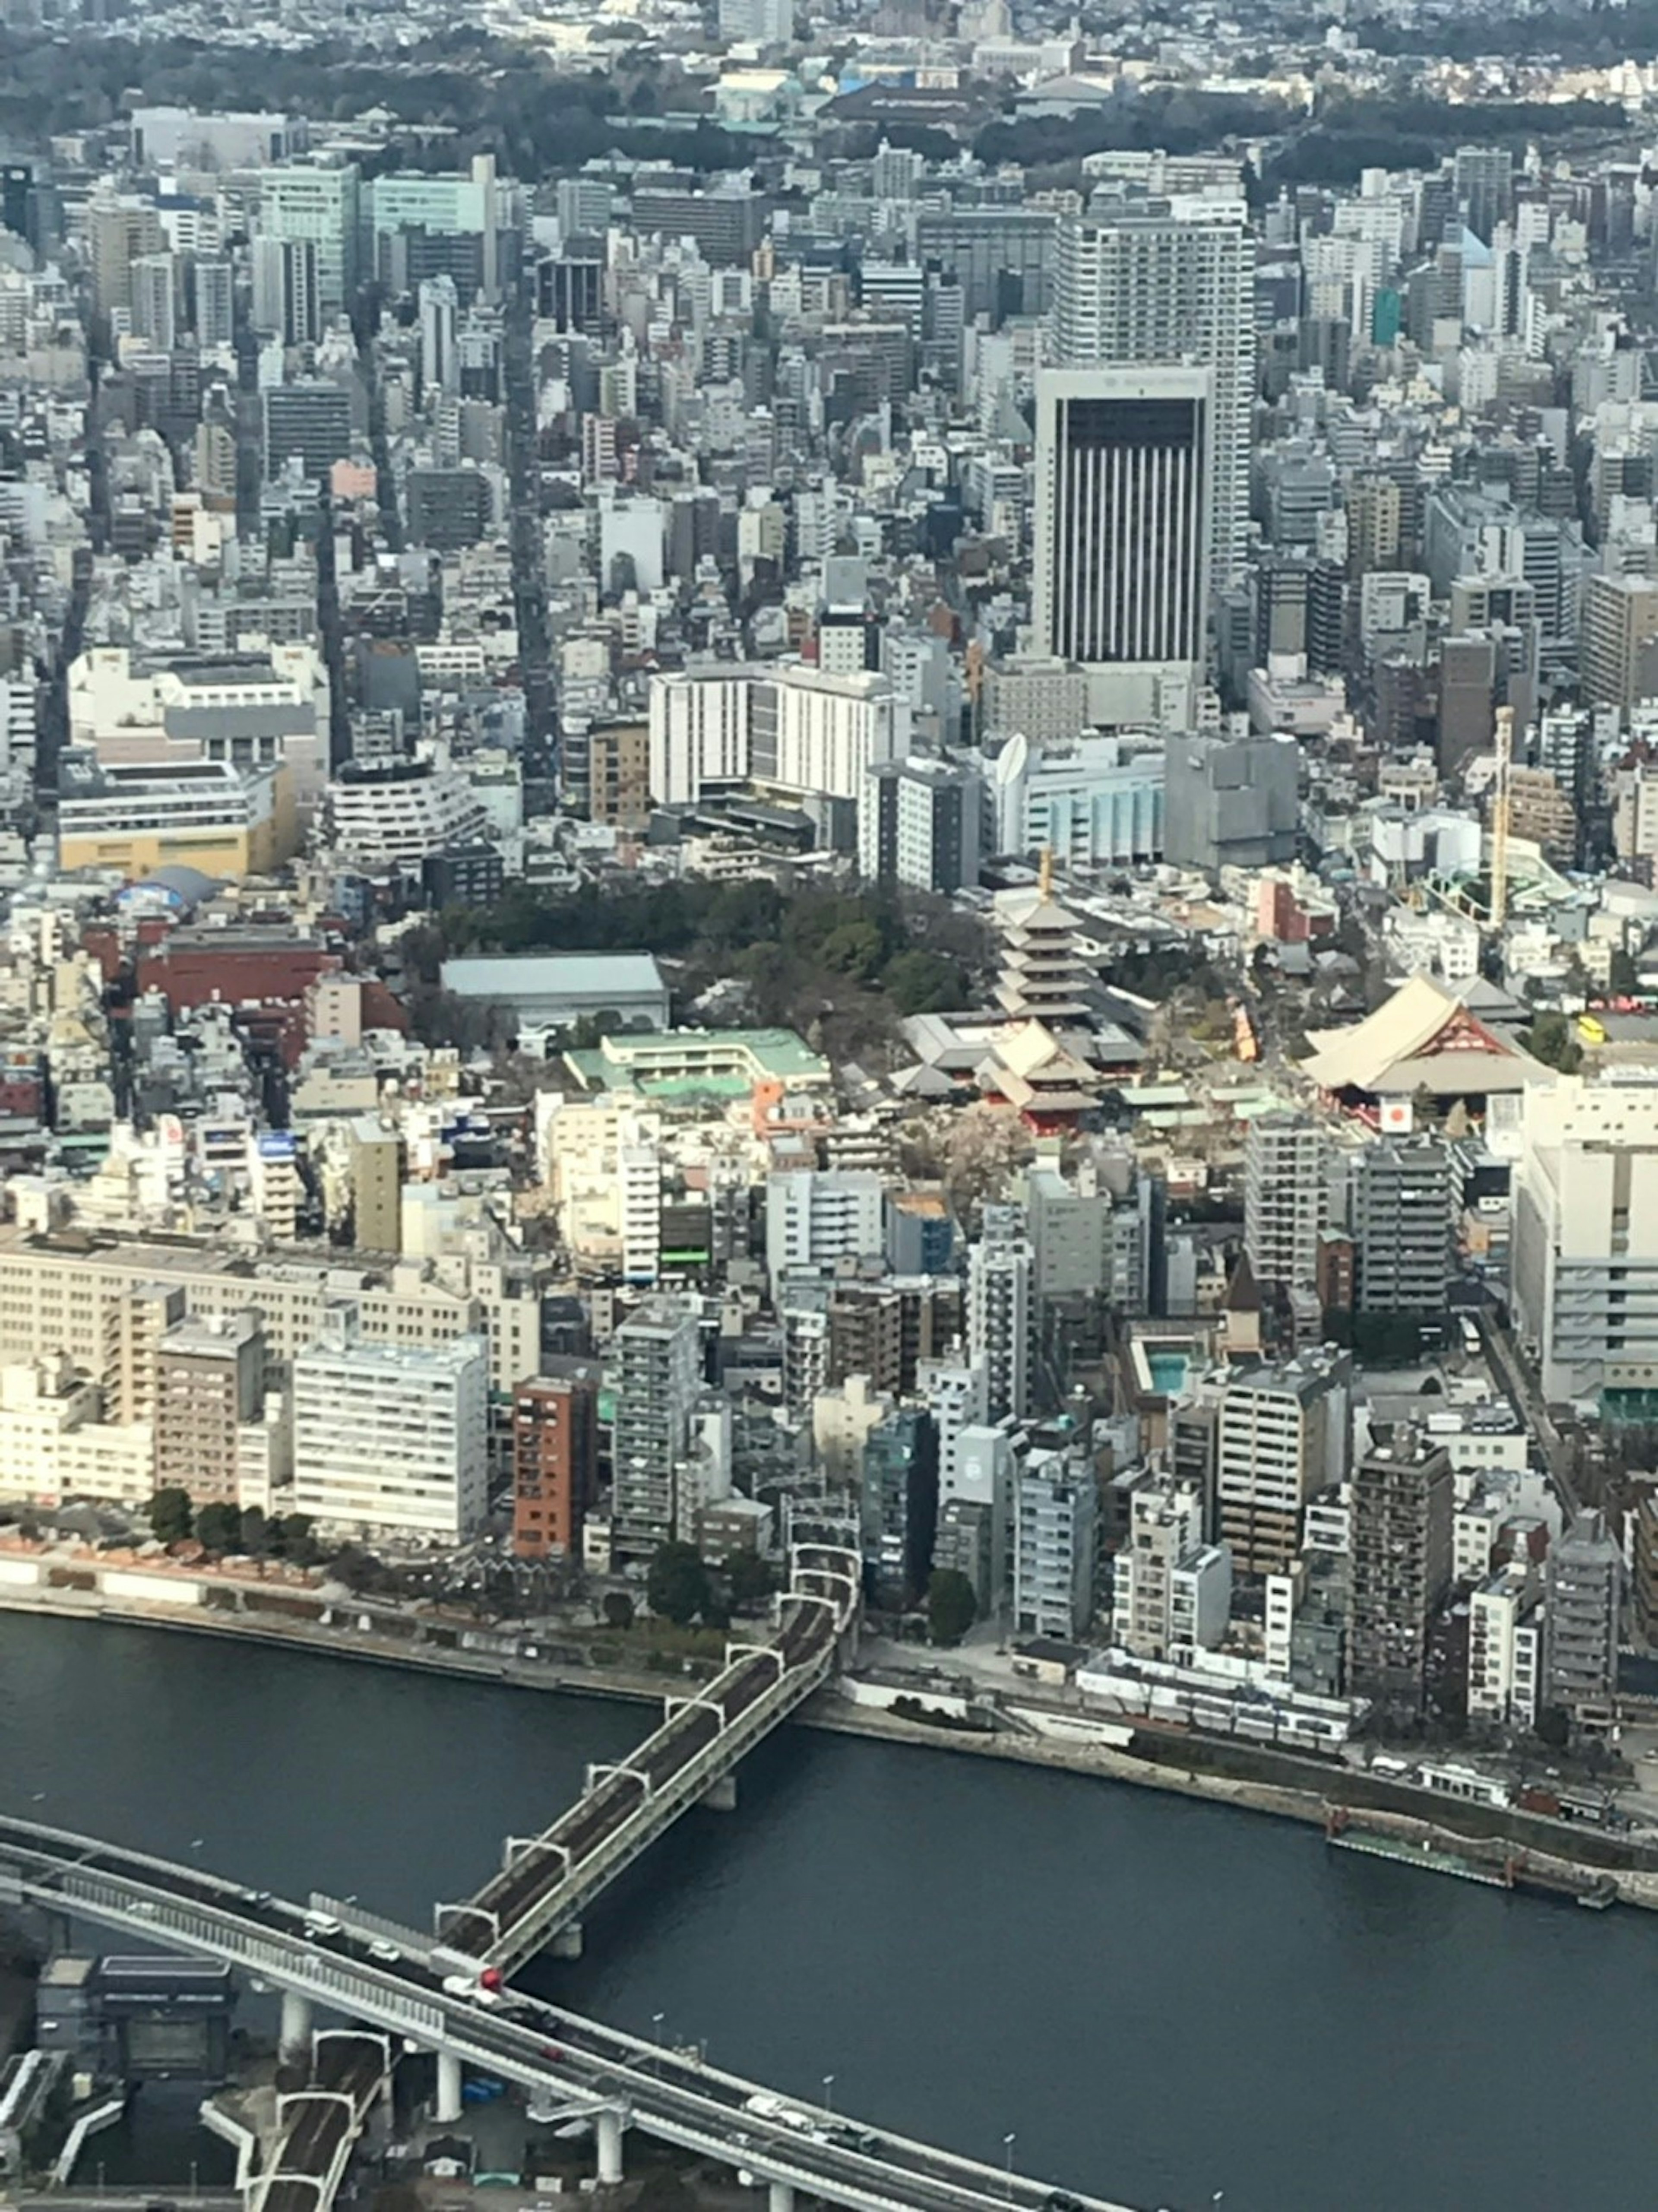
pixel 620 2080
pixel 550 1880
pixel 317 2126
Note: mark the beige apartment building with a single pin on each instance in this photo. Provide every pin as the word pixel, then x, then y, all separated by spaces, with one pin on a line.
pixel 74 1292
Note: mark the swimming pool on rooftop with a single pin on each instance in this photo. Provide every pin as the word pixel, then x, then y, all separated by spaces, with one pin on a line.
pixel 1169 1371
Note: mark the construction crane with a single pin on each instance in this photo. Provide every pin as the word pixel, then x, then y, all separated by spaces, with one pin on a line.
pixel 1500 807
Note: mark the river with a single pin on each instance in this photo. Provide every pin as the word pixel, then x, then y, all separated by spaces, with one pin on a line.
pixel 1162 1999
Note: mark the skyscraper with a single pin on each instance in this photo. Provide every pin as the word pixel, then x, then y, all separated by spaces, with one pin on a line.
pixel 1160 281
pixel 1123 511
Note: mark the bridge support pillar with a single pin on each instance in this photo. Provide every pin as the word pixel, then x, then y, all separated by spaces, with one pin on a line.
pixel 450 2105
pixel 294 2042
pixel 608 2124
pixel 720 1797
pixel 780 2197
pixel 567 1944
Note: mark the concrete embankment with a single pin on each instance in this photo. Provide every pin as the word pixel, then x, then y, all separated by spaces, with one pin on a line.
pixel 1484 1829
pixel 1248 1777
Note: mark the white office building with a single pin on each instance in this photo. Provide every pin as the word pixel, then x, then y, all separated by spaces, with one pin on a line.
pixel 1505 1648
pixel 1287 1198
pixel 1585 1234
pixel 318 204
pixel 817 1217
pixel 796 729
pixel 390 1439
pixel 1093 800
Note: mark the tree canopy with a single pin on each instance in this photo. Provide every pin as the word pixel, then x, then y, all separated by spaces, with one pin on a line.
pixel 951 1605
pixel 172 1517
pixel 677 1586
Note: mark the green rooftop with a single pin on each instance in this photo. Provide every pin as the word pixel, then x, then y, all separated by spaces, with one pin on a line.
pixel 683 1063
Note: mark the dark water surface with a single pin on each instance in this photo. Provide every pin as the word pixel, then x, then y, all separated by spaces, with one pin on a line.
pixel 1163 1999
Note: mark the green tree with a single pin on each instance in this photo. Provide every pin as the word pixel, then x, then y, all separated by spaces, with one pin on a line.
pixel 297 1542
pixel 922 982
pixel 219 1528
pixel 1624 974
pixel 677 1586
pixel 951 1607
pixel 256 1533
pixel 751 1577
pixel 618 1609
pixel 1550 1039
pixel 171 1514
pixel 852 949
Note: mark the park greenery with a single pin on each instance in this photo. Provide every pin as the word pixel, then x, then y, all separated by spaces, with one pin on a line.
pixel 242 1531
pixel 849 964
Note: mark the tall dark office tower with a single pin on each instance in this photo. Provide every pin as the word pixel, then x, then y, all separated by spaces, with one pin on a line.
pixel 1124 458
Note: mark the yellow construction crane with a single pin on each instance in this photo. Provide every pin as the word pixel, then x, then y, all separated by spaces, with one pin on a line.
pixel 1500 805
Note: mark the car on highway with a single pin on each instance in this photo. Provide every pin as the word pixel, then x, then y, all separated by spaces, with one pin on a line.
pixel 844 2136
pixel 388 1953
pixel 779 2111
pixel 323 1923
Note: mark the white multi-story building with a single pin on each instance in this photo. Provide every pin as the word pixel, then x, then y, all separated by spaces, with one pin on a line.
pixel 55 1443
pixel 1505 1654
pixel 390 1440
pixel 795 729
pixel 1056 1537
pixel 919 823
pixel 815 1218
pixel 276 1189
pixel 1287 1198
pixel 317 202
pixel 1094 801
pixel 656 1369
pixel 1165 284
pixel 1125 506
pixel 58 1296
pixel 699 733
pixel 1585 1237
pixel 1172 1592
pixel 999 1310
pixel 394 815
pixel 957 1395
pixel 1281 1436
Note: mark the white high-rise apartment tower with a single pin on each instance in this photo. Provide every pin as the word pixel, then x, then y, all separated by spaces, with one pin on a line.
pixel 1169 282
